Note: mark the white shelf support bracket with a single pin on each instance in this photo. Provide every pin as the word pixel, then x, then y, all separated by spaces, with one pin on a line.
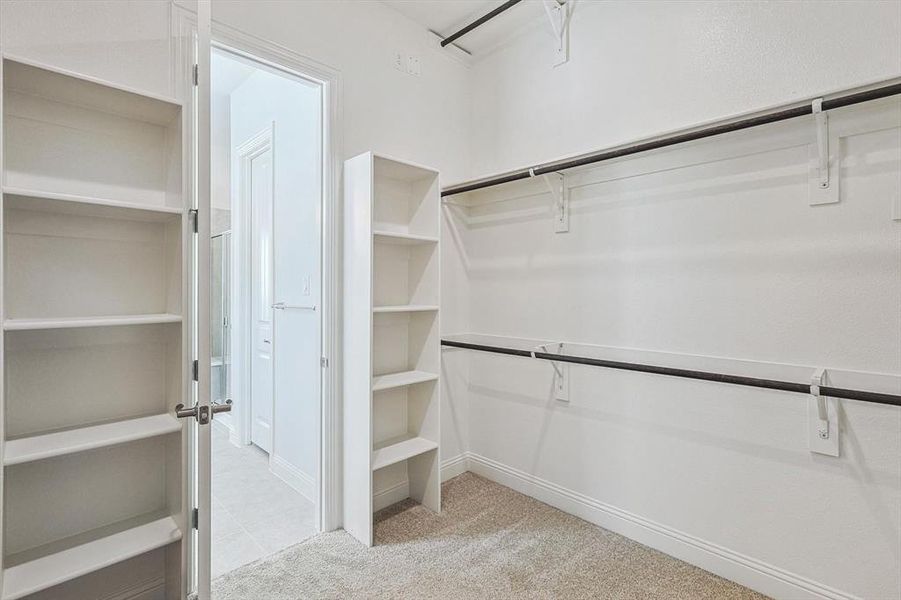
pixel 561 373
pixel 822 124
pixel 558 14
pixel 556 184
pixel 822 416
pixel 823 184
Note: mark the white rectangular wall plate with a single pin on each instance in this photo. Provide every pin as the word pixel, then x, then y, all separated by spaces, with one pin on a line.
pixel 829 195
pixel 561 383
pixel 815 440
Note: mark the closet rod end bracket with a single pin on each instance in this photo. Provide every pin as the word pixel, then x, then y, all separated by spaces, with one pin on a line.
pixel 822 415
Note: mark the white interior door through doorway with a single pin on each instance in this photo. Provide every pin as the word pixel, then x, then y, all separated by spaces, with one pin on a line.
pixel 256 180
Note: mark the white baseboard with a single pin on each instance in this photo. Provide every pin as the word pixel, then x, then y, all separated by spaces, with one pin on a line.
pixel 452 467
pixel 745 570
pixel 304 484
pixel 392 495
pixel 401 491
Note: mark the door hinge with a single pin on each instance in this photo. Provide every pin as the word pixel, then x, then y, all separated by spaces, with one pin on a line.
pixel 195 371
pixel 323 362
pixel 195 74
pixel 195 518
pixel 195 220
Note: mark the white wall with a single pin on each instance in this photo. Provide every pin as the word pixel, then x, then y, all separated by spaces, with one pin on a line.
pixel 293 107
pixel 637 69
pixel 424 119
pixel 711 250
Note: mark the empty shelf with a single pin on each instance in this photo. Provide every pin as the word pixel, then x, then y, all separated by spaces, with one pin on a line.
pixel 54 202
pixel 405 308
pixel 49 445
pixel 46 571
pixel 393 380
pixel 44 81
pixel 396 452
pixel 405 239
pixel 74 322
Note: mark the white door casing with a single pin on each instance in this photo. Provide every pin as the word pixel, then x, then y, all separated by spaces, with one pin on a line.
pixel 328 428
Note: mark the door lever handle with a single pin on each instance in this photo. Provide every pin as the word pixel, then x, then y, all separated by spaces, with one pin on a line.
pixel 219 408
pixel 283 306
pixel 200 413
pixel 183 413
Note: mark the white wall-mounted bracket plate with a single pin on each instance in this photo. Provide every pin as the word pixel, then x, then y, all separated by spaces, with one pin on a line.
pixel 558 14
pixel 556 184
pixel 561 373
pixel 822 418
pixel 825 160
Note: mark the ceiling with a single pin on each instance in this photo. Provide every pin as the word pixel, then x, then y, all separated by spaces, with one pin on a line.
pixel 447 16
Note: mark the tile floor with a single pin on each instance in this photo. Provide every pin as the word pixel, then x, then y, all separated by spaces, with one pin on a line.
pixel 255 513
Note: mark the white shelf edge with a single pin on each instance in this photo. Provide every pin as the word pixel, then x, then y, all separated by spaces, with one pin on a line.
pixel 405 163
pixel 395 237
pixel 404 378
pixel 400 451
pixel 400 308
pixel 77 322
pixel 90 200
pixel 40 447
pixel 41 573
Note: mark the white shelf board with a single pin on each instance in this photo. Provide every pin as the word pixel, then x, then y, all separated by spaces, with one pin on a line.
pixel 46 571
pixel 39 447
pixel 37 79
pixel 54 202
pixel 394 380
pixel 401 308
pixel 76 322
pixel 403 239
pixel 396 452
pixel 404 170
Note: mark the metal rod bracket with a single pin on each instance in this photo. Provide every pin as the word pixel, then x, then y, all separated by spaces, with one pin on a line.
pixel 556 184
pixel 561 372
pixel 822 124
pixel 558 16
pixel 822 414
pixel 823 183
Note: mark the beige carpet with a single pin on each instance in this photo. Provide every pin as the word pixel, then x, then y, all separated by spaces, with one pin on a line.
pixel 488 542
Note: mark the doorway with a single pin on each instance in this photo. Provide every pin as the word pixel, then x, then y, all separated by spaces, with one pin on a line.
pixel 266 317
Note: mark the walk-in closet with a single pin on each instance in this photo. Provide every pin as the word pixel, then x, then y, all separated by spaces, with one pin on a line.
pixel 431 299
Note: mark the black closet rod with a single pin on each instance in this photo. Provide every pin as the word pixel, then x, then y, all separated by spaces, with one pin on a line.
pixel 450 39
pixel 680 138
pixel 771 384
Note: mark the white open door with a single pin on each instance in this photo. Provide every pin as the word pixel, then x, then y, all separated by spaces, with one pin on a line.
pixel 202 449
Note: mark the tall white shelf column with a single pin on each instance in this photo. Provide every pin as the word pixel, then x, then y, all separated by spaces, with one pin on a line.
pixel 391 337
pixel 94 289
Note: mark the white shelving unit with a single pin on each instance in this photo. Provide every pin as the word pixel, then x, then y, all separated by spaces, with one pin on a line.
pixel 94 280
pixel 391 338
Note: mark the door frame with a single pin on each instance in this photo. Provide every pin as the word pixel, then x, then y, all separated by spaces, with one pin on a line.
pixel 329 514
pixel 242 270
